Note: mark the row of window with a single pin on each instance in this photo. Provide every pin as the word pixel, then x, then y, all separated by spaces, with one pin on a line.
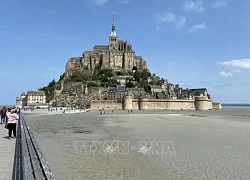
pixel 37 100
pixel 30 97
pixel 121 53
pixel 113 39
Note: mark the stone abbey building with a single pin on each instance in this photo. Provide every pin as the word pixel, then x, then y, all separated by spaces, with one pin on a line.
pixel 117 55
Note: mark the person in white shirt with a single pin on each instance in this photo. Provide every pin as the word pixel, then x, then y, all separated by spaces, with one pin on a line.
pixel 12 122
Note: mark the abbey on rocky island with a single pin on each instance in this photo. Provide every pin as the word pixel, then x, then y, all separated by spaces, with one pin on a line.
pixel 117 55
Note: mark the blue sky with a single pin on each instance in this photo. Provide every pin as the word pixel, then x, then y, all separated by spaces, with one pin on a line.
pixel 191 42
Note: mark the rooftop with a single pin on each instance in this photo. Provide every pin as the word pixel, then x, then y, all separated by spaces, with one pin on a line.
pixel 35 93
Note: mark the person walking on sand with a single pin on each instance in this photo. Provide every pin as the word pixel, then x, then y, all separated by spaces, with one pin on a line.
pixel 12 120
pixel 3 115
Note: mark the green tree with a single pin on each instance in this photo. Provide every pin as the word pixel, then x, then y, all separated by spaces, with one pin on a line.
pixel 92 84
pixel 67 80
pixel 149 74
pixel 111 83
pixel 153 75
pixel 134 68
pixel 61 77
pixel 76 76
pixel 49 90
pixel 119 73
pixel 103 78
pixel 130 85
pixel 137 75
pixel 141 75
pixel 106 72
pixel 52 83
pixel 146 86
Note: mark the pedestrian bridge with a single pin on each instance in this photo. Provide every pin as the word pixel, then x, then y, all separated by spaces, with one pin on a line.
pixel 21 158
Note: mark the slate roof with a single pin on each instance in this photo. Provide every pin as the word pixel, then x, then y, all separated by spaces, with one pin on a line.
pixel 75 58
pixel 171 93
pixel 155 86
pixel 160 95
pixel 138 57
pixel 101 47
pixel 35 93
pixel 137 92
pixel 152 96
pixel 135 89
pixel 116 89
pixel 198 91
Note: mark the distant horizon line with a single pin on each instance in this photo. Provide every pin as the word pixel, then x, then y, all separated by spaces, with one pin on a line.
pixel 235 104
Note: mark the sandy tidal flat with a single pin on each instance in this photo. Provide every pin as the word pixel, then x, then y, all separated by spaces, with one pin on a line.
pixel 199 145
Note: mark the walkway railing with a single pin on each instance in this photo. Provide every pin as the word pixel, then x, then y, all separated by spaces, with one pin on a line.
pixel 29 161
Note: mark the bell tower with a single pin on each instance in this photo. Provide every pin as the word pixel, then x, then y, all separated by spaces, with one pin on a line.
pixel 113 39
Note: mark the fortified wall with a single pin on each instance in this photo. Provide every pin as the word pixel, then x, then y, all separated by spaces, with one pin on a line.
pixel 198 103
pixel 216 106
pixel 105 104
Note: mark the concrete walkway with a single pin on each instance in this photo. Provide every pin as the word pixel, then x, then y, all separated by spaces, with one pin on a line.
pixel 7 150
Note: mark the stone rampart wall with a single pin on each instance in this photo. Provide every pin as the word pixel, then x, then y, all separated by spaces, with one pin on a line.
pixel 157 104
pixel 202 103
pixel 105 104
pixel 210 104
pixel 171 104
pixel 217 106
pixel 135 104
pixel 127 103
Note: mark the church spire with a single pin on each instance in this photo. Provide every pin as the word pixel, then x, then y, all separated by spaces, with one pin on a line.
pixel 113 33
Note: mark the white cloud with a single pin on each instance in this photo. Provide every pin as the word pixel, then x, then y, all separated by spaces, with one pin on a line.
pixel 219 4
pixel 181 83
pixel 193 5
pixel 99 2
pixel 223 73
pixel 126 2
pixel 238 63
pixel 170 17
pixel 165 17
pixel 237 71
pixel 158 28
pixel 197 27
pixel 181 21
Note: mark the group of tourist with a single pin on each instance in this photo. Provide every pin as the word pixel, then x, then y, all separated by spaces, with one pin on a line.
pixel 9 117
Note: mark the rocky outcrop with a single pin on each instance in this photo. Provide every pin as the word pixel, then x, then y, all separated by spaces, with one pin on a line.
pixel 77 93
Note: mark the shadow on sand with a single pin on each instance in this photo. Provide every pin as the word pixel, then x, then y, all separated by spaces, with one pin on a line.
pixel 7 137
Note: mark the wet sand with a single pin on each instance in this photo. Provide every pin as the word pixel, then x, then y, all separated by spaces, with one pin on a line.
pixel 200 144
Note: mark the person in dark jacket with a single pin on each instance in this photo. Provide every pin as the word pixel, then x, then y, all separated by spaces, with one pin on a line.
pixel 3 115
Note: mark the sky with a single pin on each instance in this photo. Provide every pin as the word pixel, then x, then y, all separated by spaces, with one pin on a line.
pixel 194 43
